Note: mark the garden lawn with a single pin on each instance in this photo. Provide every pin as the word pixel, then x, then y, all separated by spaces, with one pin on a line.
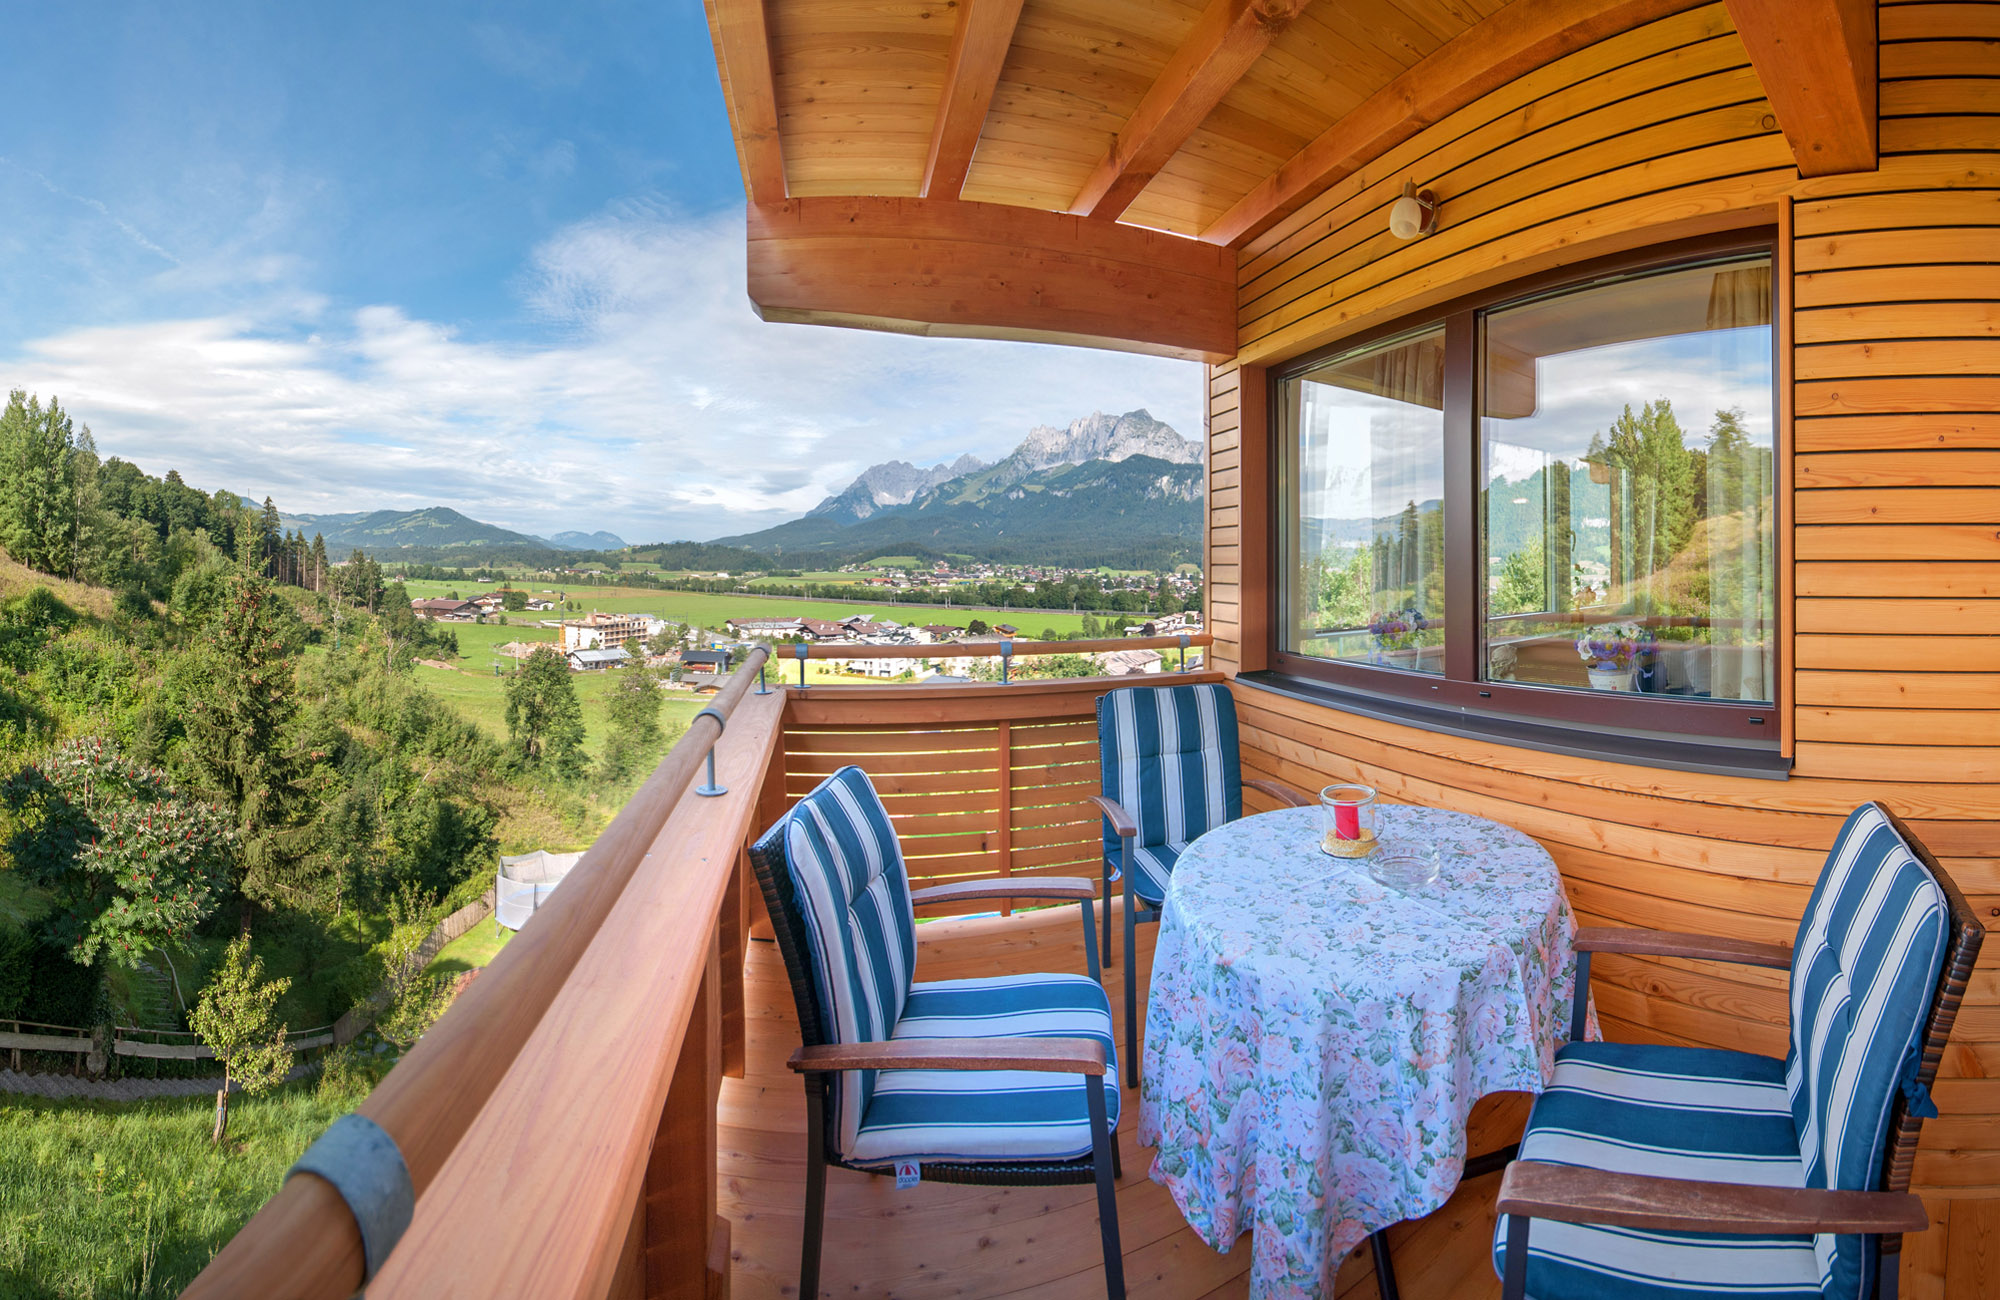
pixel 475 948
pixel 102 1199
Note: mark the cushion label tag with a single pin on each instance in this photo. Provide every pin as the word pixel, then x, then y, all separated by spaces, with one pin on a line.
pixel 908 1174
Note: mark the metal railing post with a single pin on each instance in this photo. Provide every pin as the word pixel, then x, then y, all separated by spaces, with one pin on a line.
pixel 709 789
pixel 1006 661
pixel 1184 646
pixel 801 650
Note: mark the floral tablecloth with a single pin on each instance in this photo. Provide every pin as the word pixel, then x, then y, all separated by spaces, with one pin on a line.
pixel 1315 1041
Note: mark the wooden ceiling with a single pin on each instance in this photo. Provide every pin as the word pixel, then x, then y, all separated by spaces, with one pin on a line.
pixel 1209 119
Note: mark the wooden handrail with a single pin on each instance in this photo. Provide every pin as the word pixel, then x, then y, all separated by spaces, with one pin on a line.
pixel 991 649
pixel 576 1172
pixel 303 1242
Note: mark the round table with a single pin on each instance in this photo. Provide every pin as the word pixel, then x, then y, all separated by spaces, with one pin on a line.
pixel 1315 1041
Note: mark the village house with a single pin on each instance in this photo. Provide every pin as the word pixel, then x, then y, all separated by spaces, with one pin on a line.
pixel 443 609
pixel 593 660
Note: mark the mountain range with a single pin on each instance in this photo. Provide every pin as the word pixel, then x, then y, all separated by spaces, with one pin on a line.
pixel 1143 482
pixel 432 528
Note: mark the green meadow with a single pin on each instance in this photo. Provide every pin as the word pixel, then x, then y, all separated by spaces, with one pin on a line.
pixel 709 610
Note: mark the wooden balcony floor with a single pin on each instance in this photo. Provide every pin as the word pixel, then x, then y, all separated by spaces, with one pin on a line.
pixel 940 1240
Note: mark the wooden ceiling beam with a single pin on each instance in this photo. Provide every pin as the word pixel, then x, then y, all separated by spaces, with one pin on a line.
pixel 1817 60
pixel 987 270
pixel 1227 39
pixel 1517 39
pixel 742 40
pixel 979 46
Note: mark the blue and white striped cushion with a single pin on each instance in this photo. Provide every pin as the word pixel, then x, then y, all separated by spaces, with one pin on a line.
pixel 854 896
pixel 1864 968
pixel 1168 756
pixel 993 1114
pixel 1153 866
pixel 1672 1112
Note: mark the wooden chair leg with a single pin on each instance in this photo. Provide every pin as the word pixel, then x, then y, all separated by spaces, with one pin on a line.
pixel 1104 1154
pixel 815 1193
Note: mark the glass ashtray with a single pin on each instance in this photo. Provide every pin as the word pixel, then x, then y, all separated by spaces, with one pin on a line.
pixel 1404 870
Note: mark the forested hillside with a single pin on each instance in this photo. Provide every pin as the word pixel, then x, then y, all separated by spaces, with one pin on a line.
pixel 207 725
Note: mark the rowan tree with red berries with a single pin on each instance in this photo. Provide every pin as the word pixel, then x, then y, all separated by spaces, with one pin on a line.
pixel 134 863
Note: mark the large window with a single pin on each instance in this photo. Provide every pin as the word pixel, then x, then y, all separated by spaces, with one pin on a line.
pixel 1553 505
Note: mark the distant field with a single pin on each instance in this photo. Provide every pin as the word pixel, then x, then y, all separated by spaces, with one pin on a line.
pixel 710 611
pixel 835 575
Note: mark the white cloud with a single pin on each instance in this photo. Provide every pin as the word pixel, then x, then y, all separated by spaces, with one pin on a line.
pixel 652 402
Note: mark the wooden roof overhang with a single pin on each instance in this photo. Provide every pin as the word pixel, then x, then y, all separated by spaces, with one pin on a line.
pixel 1084 171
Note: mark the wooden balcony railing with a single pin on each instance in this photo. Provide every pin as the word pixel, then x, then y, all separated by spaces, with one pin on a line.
pixel 558 1123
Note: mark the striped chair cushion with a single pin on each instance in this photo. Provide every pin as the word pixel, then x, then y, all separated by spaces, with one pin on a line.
pixel 1153 865
pixel 993 1114
pixel 1864 968
pixel 1673 1112
pixel 854 897
pixel 1168 756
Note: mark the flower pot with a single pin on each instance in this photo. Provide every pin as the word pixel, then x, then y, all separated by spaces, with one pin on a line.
pixel 1611 679
pixel 1404 658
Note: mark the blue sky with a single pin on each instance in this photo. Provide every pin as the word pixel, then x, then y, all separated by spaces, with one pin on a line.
pixel 487 256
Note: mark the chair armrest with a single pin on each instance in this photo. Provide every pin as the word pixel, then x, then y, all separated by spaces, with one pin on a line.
pixel 1284 794
pixel 1672 943
pixel 1576 1195
pixel 1064 888
pixel 1123 824
pixel 1046 1055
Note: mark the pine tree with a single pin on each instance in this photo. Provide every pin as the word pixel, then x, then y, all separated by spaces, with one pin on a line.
pixel 318 571
pixel 237 720
pixel 270 537
pixel 37 495
pixel 237 1019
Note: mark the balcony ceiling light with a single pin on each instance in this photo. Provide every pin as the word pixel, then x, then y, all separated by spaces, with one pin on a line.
pixel 1414 214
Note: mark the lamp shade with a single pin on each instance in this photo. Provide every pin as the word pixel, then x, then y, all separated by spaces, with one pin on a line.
pixel 1413 214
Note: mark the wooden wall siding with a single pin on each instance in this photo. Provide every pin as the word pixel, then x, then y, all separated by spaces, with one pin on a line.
pixel 1896 544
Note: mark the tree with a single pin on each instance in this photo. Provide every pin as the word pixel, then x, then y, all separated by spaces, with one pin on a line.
pixel 317 573
pixel 977 627
pixel 634 708
pixel 1524 586
pixel 513 601
pixel 134 863
pixel 544 720
pixel 237 696
pixel 237 1017
pixel 412 999
pixel 37 494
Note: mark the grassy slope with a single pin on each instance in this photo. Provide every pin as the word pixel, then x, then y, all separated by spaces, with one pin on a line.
pixel 100 1199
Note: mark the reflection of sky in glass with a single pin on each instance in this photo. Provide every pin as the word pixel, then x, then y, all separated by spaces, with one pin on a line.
pixel 1578 391
pixel 1364 456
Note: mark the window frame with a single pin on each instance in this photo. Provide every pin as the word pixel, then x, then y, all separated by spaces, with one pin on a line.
pixel 1459 697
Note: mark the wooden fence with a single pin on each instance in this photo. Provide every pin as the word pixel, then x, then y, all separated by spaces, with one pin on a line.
pixel 980 781
pixel 184 1045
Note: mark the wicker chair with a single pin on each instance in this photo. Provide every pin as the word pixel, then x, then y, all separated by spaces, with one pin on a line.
pixel 1657 1171
pixel 974 1081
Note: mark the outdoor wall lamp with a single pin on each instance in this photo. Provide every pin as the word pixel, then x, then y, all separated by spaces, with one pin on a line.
pixel 1414 214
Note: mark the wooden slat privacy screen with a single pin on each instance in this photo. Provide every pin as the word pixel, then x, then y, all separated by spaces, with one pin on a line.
pixel 1893 433
pixel 979 781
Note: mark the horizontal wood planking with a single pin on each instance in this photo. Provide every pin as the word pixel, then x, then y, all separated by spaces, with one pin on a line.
pixel 1896 544
pixel 985 783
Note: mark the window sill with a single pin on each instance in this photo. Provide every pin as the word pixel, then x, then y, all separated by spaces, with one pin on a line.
pixel 1763 763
